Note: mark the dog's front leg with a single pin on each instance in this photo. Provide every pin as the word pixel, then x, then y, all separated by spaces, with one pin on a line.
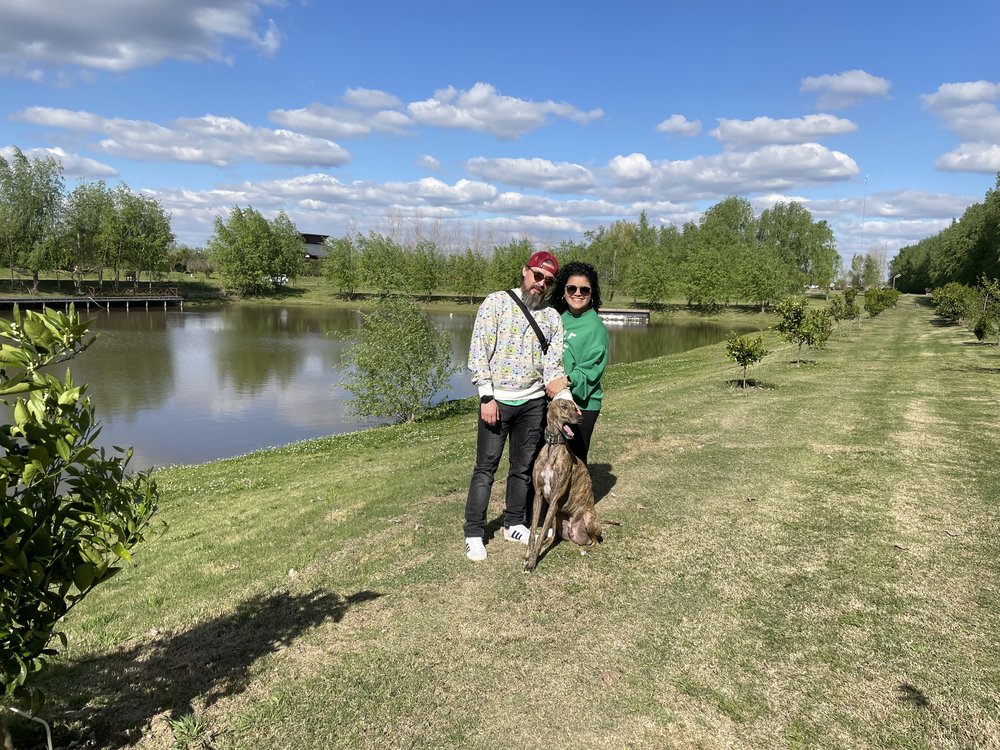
pixel 556 496
pixel 534 539
pixel 538 537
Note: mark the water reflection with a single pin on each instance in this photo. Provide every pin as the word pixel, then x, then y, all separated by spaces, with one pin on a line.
pixel 185 387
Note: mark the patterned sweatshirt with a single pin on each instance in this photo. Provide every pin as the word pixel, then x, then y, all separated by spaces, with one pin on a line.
pixel 505 356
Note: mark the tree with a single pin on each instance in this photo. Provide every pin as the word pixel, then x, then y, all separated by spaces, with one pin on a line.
pixel 726 234
pixel 746 351
pixel 382 263
pixel 871 274
pixel 85 210
pixel 955 302
pixel 468 274
pixel 398 361
pixel 71 513
pixel 812 327
pixel 989 308
pixel 148 237
pixel 878 300
pixel 764 277
pixel 341 265
pixel 255 255
pixel 650 274
pixel 31 194
pixel 505 264
pixel 424 266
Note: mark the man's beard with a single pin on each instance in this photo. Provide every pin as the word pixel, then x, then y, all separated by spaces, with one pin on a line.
pixel 533 300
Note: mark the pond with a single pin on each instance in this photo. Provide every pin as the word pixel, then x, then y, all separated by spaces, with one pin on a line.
pixel 190 386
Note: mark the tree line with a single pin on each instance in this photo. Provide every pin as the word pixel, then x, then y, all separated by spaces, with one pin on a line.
pixel 730 255
pixel 94 229
pixel 962 253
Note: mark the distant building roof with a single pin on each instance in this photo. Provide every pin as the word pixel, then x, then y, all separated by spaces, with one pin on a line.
pixel 314 245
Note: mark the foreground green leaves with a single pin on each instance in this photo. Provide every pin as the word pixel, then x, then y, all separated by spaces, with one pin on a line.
pixel 70 512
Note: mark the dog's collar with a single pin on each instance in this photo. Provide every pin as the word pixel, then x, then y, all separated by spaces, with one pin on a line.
pixel 554 437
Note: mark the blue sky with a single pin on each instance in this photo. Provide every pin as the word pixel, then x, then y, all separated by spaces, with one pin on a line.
pixel 473 124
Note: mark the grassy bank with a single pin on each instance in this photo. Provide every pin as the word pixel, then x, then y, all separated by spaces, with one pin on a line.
pixel 808 564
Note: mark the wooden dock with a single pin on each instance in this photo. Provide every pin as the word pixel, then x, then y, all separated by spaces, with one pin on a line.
pixel 640 317
pixel 137 302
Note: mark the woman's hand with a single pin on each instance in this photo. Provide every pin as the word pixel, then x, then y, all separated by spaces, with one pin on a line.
pixel 556 385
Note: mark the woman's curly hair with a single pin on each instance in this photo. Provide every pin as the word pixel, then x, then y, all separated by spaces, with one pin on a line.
pixel 575 268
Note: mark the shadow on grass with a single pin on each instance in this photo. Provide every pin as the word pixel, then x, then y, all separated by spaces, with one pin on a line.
pixel 913 696
pixel 604 481
pixel 113 697
pixel 942 323
pixel 752 384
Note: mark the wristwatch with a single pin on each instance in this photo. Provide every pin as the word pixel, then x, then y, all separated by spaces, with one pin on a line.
pixel 485 399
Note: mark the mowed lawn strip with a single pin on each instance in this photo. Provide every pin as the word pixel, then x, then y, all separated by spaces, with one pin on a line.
pixel 808 563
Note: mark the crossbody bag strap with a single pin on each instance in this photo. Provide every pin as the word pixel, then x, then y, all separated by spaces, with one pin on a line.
pixel 531 320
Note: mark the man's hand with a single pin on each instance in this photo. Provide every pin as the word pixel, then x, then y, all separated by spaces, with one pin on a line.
pixel 489 412
pixel 556 385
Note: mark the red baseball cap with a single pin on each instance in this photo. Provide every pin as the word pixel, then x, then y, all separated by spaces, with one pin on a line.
pixel 544 260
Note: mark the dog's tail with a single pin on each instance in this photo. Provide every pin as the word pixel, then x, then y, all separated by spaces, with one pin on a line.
pixel 595 527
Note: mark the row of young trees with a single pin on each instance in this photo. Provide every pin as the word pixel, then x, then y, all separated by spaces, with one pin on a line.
pixel 731 255
pixel 94 229
pixel 978 307
pixel 962 253
pixel 811 328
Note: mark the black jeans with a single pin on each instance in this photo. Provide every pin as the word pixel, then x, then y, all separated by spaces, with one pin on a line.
pixel 582 433
pixel 523 425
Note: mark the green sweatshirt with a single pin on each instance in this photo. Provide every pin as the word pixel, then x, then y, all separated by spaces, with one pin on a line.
pixel 585 355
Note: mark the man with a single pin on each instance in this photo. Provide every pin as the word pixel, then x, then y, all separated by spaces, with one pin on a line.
pixel 511 371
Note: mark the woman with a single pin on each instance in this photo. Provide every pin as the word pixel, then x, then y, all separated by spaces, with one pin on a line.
pixel 577 296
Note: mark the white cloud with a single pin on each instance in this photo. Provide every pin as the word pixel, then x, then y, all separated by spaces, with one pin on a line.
pixel 429 162
pixel 74 165
pixel 845 89
pixel 971 157
pixel 679 125
pixel 221 141
pixel 538 205
pixel 338 122
pixel 762 130
pixel 769 168
pixel 969 110
pixel 483 110
pixel 890 204
pixel 122 35
pixel 537 173
pixel 371 99
pixel 634 168
pixel 950 95
pixel 775 167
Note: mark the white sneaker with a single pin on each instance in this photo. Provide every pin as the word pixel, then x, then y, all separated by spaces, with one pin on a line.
pixel 517 533
pixel 474 549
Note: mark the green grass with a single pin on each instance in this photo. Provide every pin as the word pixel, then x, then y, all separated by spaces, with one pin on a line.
pixel 811 563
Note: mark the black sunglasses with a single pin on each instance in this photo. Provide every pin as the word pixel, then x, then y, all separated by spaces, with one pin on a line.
pixel 573 289
pixel 541 277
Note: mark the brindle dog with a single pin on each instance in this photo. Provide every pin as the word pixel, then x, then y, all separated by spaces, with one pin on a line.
pixel 562 480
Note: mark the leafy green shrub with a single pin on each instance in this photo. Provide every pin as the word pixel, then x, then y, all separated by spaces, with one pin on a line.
pixel 955 302
pixel 70 512
pixel 398 361
pixel 879 300
pixel 746 351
